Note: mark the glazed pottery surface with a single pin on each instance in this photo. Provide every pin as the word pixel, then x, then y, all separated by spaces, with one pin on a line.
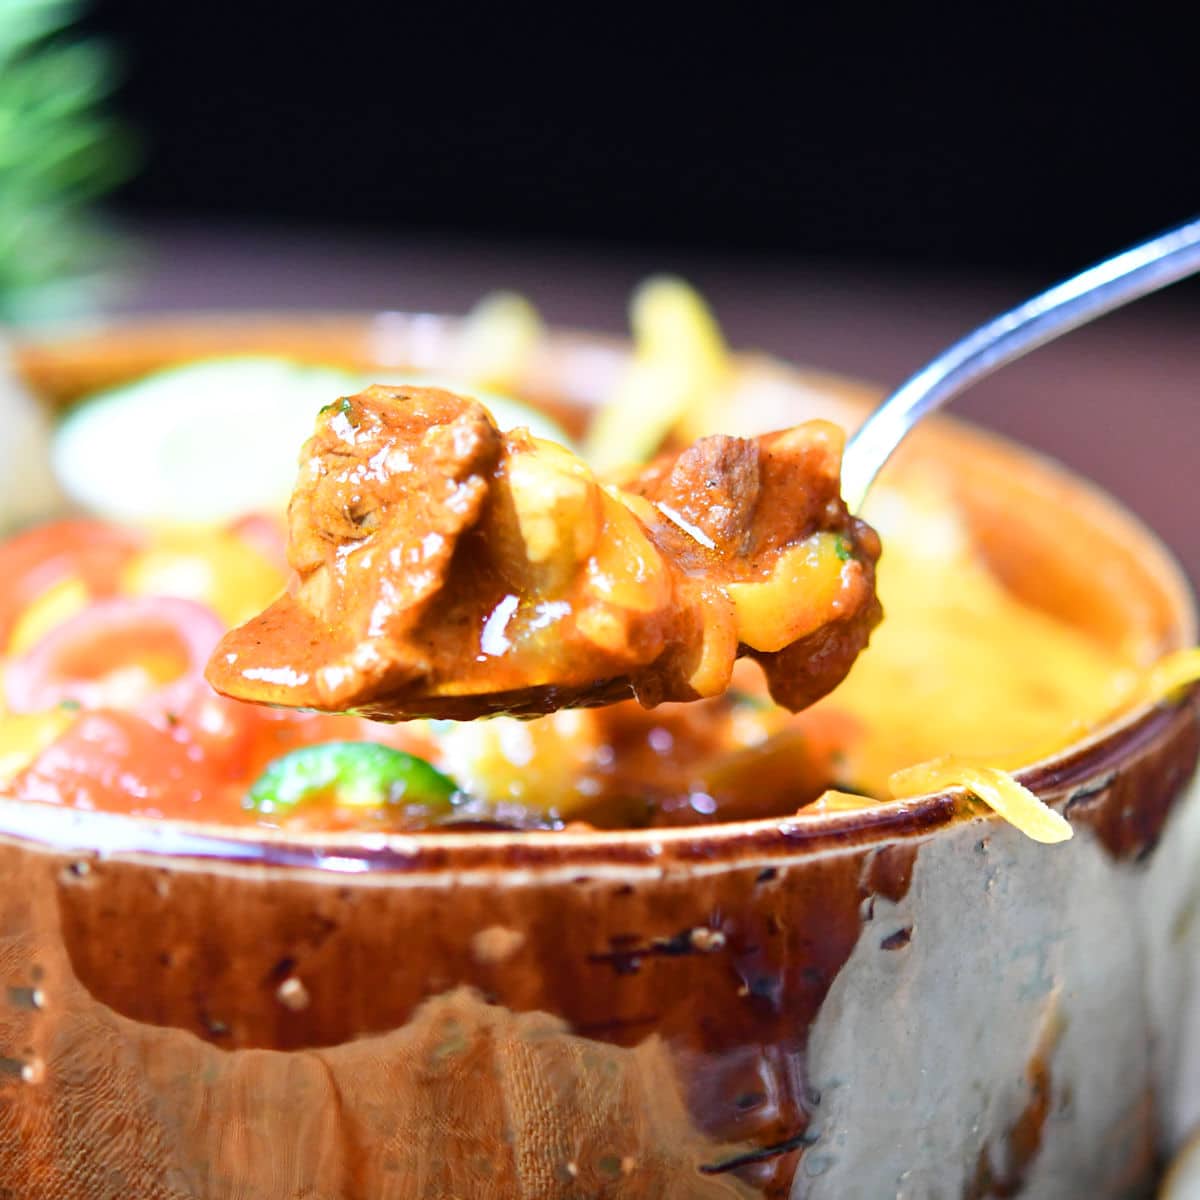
pixel 911 1000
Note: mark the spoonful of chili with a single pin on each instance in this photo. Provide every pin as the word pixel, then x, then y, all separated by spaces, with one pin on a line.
pixel 446 569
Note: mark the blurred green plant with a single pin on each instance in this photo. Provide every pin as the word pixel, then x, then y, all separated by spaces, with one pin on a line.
pixel 59 151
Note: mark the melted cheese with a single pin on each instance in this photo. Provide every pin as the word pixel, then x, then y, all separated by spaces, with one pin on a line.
pixel 999 790
pixel 769 616
pixel 958 665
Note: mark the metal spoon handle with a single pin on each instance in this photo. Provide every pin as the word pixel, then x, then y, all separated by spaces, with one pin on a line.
pixel 1108 285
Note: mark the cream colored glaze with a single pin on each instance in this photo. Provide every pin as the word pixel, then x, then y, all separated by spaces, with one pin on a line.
pixel 998 991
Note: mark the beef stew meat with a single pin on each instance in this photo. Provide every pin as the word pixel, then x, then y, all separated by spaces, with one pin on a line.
pixel 445 569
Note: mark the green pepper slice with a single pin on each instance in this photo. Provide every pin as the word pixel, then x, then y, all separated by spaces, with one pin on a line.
pixel 351 775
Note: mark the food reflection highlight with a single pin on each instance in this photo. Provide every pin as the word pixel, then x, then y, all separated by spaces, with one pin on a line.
pixel 95 719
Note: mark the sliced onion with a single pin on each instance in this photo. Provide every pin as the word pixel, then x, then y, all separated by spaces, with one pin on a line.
pixel 92 659
pixel 34 561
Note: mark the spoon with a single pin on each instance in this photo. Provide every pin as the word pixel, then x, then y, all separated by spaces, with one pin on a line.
pixel 1109 285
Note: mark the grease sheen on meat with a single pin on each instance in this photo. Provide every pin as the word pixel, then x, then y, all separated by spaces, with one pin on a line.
pixel 446 569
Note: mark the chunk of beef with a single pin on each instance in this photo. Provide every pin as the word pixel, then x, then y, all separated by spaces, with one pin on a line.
pixel 712 487
pixel 388 483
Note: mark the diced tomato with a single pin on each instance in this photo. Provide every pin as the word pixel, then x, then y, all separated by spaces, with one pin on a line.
pixel 31 562
pixel 228 732
pixel 117 762
pixel 238 740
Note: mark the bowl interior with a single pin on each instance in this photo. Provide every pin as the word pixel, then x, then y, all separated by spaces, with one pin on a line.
pixel 1057 543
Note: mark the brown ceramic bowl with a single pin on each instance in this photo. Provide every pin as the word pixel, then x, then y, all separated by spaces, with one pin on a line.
pixel 905 1001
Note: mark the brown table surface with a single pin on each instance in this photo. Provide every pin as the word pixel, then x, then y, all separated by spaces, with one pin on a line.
pixel 1116 401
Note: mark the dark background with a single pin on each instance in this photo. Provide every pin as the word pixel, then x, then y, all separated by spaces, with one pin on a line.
pixel 852 186
pixel 947 136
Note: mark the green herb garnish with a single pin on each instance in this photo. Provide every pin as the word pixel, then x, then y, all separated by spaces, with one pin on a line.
pixel 350 774
pixel 59 151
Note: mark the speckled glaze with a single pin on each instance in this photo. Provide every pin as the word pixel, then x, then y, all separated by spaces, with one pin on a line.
pixel 909 1001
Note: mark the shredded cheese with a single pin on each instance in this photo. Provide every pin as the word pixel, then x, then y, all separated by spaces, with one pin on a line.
pixel 497 339
pixel 998 789
pixel 833 801
pixel 679 367
pixel 1171 675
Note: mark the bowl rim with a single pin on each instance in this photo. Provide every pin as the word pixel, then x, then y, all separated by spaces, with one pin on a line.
pixel 1068 773
pixel 1078 772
